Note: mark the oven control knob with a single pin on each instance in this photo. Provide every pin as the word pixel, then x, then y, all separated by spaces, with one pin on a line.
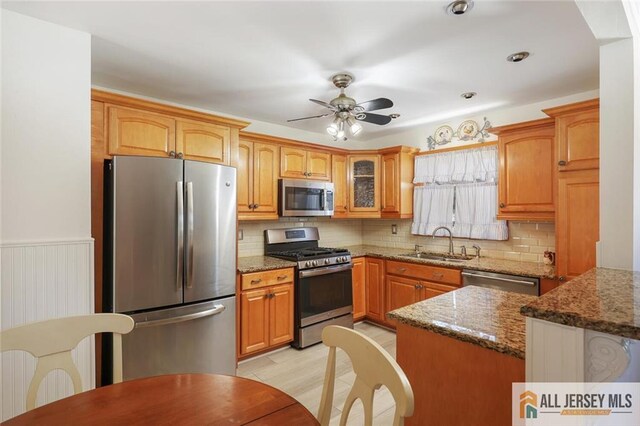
pixel 307 264
pixel 315 263
pixel 327 261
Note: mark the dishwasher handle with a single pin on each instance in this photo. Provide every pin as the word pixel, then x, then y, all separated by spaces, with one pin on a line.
pixel 527 283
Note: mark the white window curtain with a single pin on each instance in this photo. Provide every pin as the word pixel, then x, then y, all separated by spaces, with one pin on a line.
pixel 460 191
pixel 469 165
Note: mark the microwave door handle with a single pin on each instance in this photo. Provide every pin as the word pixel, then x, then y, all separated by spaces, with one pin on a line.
pixel 323 199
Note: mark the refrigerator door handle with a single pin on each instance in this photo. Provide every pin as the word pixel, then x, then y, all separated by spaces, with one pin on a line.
pixel 180 228
pixel 217 309
pixel 189 234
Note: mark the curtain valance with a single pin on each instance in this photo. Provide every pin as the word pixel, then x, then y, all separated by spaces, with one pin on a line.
pixel 469 165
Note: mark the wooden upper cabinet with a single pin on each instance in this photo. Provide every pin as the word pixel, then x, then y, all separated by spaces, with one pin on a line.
pixel 340 185
pixel 318 165
pixel 577 222
pixel 298 163
pixel 265 178
pixel 577 135
pixel 293 163
pixel 526 186
pixel 136 132
pixel 397 182
pixel 245 177
pixel 364 184
pixel 203 141
pixel 358 276
pixel 257 180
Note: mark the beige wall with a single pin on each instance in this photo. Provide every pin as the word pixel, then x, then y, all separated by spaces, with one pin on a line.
pixel 527 241
pixel 333 232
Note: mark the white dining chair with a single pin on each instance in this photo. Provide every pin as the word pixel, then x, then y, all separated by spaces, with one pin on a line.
pixel 373 367
pixel 51 342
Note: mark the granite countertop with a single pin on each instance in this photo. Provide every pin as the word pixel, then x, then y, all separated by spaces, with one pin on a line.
pixel 481 316
pixel 602 299
pixel 528 269
pixel 262 263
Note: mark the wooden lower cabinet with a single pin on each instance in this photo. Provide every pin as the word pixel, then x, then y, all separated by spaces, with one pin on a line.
pixel 374 269
pixel 358 277
pixel 266 313
pixel 402 291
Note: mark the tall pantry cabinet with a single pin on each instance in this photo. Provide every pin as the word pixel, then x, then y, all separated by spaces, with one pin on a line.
pixel 577 208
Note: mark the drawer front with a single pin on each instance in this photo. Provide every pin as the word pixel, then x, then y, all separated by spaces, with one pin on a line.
pixel 425 272
pixel 267 278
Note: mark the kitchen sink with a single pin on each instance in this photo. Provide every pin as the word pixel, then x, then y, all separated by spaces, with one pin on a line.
pixel 439 256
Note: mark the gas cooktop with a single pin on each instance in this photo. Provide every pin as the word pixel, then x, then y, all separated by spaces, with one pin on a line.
pixel 309 253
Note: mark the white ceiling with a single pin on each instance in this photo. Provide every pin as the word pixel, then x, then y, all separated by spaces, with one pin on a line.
pixel 263 60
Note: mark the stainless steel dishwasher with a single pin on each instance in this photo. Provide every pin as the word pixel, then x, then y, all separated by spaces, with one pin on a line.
pixel 504 282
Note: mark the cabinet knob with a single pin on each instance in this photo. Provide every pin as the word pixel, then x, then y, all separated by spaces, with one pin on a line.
pixel 180 155
pixel 401 269
pixel 256 281
pixel 562 278
pixel 255 206
pixel 172 154
pixel 501 205
pixel 281 277
pixel 562 163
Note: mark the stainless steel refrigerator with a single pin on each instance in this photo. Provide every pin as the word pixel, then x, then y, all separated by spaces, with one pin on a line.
pixel 170 263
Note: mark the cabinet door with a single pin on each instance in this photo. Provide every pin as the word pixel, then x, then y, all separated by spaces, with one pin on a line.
pixel 340 191
pixel 203 141
pixel 358 278
pixel 293 163
pixel 390 183
pixel 318 165
pixel 254 327
pixel 265 178
pixel 527 174
pixel 577 222
pixel 578 139
pixel 364 192
pixel 134 132
pixel 281 314
pixel 402 292
pixel 245 176
pixel 375 288
pixel 434 289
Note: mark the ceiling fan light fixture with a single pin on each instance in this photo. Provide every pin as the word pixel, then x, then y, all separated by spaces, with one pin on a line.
pixel 354 126
pixel 334 127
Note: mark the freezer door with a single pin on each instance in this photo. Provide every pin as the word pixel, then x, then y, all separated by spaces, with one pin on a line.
pixel 197 338
pixel 147 202
pixel 210 231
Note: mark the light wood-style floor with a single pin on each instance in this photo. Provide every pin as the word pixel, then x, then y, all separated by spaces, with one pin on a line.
pixel 300 373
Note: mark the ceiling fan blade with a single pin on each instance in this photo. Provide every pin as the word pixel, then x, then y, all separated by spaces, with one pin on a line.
pixel 375 104
pixel 313 116
pixel 324 104
pixel 374 118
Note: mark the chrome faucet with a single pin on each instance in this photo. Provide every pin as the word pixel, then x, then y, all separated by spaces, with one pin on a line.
pixel 477 247
pixel 450 236
pixel 463 250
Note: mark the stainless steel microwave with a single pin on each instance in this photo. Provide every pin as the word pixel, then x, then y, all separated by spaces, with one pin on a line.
pixel 297 197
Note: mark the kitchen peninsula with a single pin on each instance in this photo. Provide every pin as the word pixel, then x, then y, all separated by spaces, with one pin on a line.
pixel 443 341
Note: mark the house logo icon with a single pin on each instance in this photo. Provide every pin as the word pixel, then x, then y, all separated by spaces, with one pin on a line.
pixel 528 405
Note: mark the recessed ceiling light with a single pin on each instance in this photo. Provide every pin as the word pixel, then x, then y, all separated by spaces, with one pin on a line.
pixel 468 95
pixel 459 7
pixel 517 57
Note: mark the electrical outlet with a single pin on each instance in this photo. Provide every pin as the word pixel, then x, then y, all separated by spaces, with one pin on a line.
pixel 240 234
pixel 394 229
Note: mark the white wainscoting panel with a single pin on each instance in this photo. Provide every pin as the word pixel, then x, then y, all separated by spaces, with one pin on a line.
pixel 44 280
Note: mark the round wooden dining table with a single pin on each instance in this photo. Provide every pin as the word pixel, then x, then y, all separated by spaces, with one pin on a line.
pixel 180 399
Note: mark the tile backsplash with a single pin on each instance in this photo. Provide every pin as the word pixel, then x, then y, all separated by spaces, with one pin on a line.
pixel 333 232
pixel 527 240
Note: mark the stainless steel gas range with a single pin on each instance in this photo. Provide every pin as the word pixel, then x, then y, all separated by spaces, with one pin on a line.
pixel 323 291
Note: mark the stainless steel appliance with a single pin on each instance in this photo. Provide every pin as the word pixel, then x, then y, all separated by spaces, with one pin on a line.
pixel 323 289
pixel 504 282
pixel 170 263
pixel 297 197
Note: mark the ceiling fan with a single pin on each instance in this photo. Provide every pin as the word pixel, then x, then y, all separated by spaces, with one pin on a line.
pixel 347 112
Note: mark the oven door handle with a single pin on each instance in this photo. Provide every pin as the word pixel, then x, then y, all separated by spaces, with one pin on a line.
pixel 325 270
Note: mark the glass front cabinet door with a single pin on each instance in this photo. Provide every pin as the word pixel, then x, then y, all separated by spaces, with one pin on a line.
pixel 364 183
